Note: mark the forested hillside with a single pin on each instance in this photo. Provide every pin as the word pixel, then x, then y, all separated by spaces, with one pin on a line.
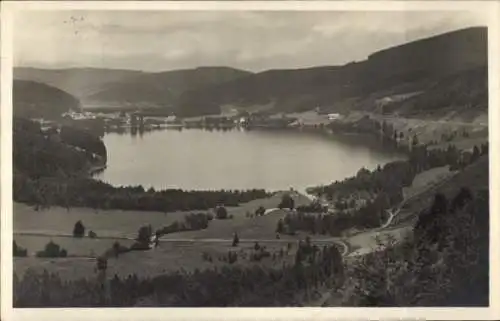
pixel 416 66
pixel 32 99
pixel 163 89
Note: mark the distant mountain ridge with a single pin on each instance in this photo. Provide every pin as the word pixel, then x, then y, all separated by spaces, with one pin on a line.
pixel 114 87
pixel 163 89
pixel 415 66
pixel 79 82
pixel 410 67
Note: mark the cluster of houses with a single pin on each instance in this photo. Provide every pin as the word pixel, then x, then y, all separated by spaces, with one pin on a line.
pixel 121 120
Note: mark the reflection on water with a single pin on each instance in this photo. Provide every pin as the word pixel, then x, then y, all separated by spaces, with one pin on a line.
pixel 238 159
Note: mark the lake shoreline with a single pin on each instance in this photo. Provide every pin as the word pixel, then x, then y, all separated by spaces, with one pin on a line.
pixel 363 145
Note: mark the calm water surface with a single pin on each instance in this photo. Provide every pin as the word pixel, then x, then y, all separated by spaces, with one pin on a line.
pixel 196 159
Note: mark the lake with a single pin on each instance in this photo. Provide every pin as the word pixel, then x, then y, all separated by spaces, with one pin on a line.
pixel 197 159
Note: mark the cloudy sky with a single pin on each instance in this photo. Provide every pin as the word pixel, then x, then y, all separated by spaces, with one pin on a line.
pixel 251 40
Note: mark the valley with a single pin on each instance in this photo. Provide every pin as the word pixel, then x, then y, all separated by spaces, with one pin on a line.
pixel 215 186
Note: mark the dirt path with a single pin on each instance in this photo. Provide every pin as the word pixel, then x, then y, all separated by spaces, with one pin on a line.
pixel 331 294
pixel 342 243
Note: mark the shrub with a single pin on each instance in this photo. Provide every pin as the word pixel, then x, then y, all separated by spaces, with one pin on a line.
pixel 144 234
pixel 206 257
pixel 260 211
pixel 19 251
pixel 232 257
pixel 461 198
pixel 79 229
pixel 221 212
pixel 259 254
pixel 195 221
pixel 287 202
pixel 236 239
pixel 316 207
pixel 52 250
pixel 118 249
pixel 192 222
pixel 280 226
pixel 92 234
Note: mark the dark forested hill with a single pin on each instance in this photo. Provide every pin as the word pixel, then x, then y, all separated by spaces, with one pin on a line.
pixel 416 66
pixel 124 88
pixel 34 99
pixel 163 89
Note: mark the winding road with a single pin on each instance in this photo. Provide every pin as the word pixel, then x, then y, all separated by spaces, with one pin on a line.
pixel 393 213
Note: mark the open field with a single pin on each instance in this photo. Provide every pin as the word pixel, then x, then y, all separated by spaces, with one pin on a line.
pixel 475 177
pixel 172 253
pixel 57 220
pixel 168 257
pixel 86 247
pixel 112 223
pixel 429 130
pixel 426 178
pixel 366 242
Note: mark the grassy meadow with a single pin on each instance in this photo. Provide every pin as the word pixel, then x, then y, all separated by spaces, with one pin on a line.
pixel 34 229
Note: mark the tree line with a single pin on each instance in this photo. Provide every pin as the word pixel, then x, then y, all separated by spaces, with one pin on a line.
pixel 35 155
pixel 84 140
pixel 85 192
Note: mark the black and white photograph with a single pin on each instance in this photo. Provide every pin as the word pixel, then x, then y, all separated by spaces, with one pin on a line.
pixel 248 158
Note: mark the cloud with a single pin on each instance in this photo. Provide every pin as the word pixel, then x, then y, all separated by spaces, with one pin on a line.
pixel 254 40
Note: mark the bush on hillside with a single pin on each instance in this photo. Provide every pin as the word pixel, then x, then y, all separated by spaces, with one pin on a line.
pixel 221 213
pixel 313 207
pixel 52 250
pixel 236 239
pixel 118 249
pixel 260 211
pixel 144 234
pixel 79 229
pixel 286 202
pixel 19 251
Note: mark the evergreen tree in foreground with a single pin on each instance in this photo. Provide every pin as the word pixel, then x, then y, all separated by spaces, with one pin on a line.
pixel 79 229
pixel 236 239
